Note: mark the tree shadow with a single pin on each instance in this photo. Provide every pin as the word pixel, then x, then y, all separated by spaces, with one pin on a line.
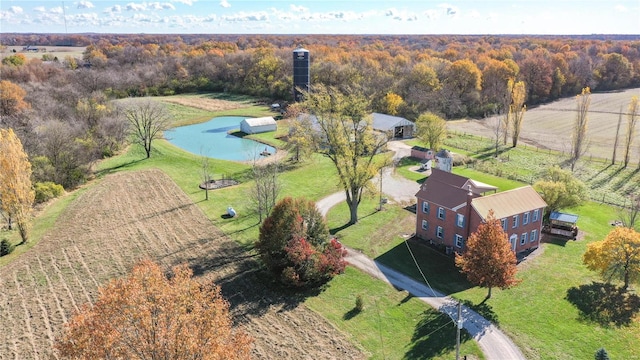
pixel 625 180
pixel 604 303
pixel 351 313
pixel 433 336
pixel 109 170
pixel 339 228
pixel 484 309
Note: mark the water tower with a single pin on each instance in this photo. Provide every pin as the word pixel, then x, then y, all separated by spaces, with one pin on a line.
pixel 300 72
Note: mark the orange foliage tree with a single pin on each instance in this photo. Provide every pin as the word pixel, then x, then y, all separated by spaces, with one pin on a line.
pixel 11 98
pixel 16 193
pixel 149 316
pixel 488 260
pixel 617 256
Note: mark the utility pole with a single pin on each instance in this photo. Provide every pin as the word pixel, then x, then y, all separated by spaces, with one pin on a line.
pixel 458 326
pixel 380 207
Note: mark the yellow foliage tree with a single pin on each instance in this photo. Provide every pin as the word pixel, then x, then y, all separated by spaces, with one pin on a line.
pixel 617 256
pixel 392 102
pixel 16 193
pixel 12 98
pixel 516 109
pixel 150 316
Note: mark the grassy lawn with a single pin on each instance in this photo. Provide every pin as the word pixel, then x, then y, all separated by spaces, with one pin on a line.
pixel 535 313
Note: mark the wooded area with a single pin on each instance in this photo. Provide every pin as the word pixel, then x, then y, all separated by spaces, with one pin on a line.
pixel 65 118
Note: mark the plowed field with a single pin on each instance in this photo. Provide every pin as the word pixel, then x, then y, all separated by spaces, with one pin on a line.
pixel 114 224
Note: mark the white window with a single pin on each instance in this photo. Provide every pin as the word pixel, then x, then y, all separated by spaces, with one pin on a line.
pixel 504 224
pixel 459 241
pixel 515 221
pixel 534 235
pixel 439 232
pixel 425 225
pixel 525 218
pixel 536 215
pixel 425 207
pixel 459 220
pixel 441 213
pixel 523 238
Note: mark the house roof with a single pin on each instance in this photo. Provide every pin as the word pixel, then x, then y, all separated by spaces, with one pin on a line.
pixel 384 122
pixel 509 203
pixel 261 121
pixel 444 189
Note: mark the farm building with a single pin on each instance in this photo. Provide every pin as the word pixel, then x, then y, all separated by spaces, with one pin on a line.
pixel 397 126
pixel 258 125
pixel 451 207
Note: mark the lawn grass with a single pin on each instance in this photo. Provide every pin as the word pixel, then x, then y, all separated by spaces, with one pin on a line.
pixel 393 324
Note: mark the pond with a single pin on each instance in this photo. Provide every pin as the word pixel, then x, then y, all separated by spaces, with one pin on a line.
pixel 211 139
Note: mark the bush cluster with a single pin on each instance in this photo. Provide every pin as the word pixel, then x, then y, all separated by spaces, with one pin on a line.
pixel 47 190
pixel 6 247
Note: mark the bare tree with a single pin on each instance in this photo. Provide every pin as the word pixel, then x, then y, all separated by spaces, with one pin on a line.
pixel 148 119
pixel 266 189
pixel 496 124
pixel 631 214
pixel 632 117
pixel 517 110
pixel 615 140
pixel 206 175
pixel 579 138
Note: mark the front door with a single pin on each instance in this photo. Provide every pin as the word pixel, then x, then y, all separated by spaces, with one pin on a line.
pixel 514 240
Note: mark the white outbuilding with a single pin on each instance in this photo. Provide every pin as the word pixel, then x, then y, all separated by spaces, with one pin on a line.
pixel 258 125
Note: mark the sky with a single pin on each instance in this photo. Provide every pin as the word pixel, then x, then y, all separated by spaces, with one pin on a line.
pixel 558 17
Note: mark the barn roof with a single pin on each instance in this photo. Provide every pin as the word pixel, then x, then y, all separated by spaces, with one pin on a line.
pixel 261 121
pixel 384 122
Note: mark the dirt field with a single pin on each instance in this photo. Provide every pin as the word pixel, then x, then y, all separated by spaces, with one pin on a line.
pixel 204 103
pixel 130 216
pixel 550 126
pixel 57 51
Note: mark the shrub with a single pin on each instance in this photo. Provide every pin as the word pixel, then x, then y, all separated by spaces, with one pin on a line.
pixel 47 190
pixel 359 303
pixel 5 247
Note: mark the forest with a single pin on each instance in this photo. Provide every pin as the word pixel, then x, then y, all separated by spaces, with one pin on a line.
pixel 62 109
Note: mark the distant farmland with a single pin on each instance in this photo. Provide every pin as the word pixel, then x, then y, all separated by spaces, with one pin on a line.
pixel 56 51
pixel 550 126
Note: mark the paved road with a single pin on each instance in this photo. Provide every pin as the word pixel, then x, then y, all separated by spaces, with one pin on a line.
pixel 494 343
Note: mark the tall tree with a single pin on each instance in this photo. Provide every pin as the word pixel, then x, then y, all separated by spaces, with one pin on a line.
pixel 148 119
pixel 11 98
pixel 301 142
pixel 560 189
pixel 392 102
pixel 149 316
pixel 632 119
pixel 488 260
pixel 348 140
pixel 266 188
pixel 431 129
pixel 517 109
pixel 616 138
pixel 16 193
pixel 617 256
pixel 614 72
pixel 579 137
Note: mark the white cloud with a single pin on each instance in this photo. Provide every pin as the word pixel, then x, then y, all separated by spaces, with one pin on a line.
pixel 136 7
pixel 16 10
pixel 115 9
pixel 620 8
pixel 298 8
pixel 186 2
pixel 225 4
pixel 242 16
pixel 431 14
pixel 474 14
pixel 39 9
pixel 449 9
pixel 401 15
pixel 57 10
pixel 84 5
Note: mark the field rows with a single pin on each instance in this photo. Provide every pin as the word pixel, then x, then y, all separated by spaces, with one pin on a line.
pixel 127 217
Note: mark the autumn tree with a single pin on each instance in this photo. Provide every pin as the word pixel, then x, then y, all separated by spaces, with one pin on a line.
pixel 266 188
pixel 579 141
pixel 616 138
pixel 11 98
pixel 461 89
pixel 560 189
pixel 392 103
pixel 488 260
pixel 617 256
pixel 148 315
pixel 614 72
pixel 632 119
pixel 148 119
pixel 431 129
pixel 347 139
pixel 516 109
pixel 16 193
pixel 301 140
pixel 294 244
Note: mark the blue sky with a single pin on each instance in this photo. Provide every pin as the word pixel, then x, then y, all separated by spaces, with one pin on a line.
pixel 323 17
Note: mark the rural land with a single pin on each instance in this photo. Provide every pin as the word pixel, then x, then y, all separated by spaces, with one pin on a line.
pixel 122 204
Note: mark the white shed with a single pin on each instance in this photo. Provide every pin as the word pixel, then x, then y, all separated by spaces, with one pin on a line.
pixel 258 125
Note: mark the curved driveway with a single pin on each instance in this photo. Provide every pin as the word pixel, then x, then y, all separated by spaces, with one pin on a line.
pixel 494 343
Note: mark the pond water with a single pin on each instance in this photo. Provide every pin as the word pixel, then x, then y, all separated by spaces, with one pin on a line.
pixel 211 139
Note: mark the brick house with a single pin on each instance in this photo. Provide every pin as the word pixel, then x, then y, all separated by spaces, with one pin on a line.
pixel 451 207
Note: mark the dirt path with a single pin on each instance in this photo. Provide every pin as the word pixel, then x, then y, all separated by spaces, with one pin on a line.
pixel 117 222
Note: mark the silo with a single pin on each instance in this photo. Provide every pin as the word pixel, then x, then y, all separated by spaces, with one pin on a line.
pixel 301 78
